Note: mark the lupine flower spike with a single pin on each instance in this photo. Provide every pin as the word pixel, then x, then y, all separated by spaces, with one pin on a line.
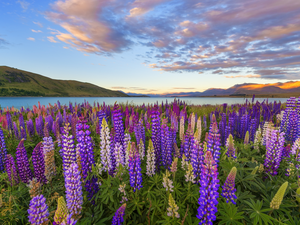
pixel 34 188
pixel 172 210
pixel 11 170
pixel 228 190
pixel 167 183
pixel 38 210
pixel 118 217
pixel 276 201
pixel 61 211
pixel 73 190
pixel 150 160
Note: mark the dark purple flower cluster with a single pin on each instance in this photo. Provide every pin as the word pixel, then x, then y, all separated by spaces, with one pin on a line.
pixel 16 131
pixel 197 160
pixel 9 122
pixel 118 124
pixel 39 125
pixel 214 144
pixel 11 170
pixel 156 135
pixel 22 127
pixel 3 150
pixel 30 128
pixel 166 145
pixel 208 191
pixel 85 148
pixel 38 210
pixel 189 142
pixel 118 217
pixel 39 163
pixel 134 165
pixel 274 152
pixel 23 164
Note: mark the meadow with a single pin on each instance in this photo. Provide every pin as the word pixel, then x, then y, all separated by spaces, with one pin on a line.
pixel 168 163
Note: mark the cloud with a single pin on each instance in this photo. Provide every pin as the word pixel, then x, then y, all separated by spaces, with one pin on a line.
pixel 36 31
pixel 3 43
pixel 31 39
pixel 65 47
pixel 187 36
pixel 185 88
pixel 24 5
pixel 38 23
pixel 245 76
pixel 52 39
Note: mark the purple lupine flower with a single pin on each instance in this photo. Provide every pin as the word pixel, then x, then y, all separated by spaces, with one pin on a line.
pixel 73 189
pixel 118 217
pixel 274 152
pixel 156 135
pixel 197 159
pixel 101 114
pixel 228 190
pixel 30 127
pixel 214 144
pixel 189 144
pixel 69 220
pixel 3 151
pixel 16 131
pixel 208 191
pixel 135 168
pixel 85 148
pixel 119 158
pixel 11 170
pixel 23 164
pixel 9 122
pixel 22 127
pixel 68 148
pixel 118 124
pixel 39 163
pixel 166 145
pixel 38 210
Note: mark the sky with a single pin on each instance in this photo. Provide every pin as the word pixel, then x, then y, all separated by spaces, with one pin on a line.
pixel 153 46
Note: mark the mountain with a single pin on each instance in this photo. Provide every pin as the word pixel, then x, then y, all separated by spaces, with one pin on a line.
pixel 246 89
pixel 15 82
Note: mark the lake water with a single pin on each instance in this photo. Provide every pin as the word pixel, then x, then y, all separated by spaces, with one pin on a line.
pixel 18 102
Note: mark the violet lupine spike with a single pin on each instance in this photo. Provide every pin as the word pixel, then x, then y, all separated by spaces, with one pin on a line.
pixel 101 114
pixel 274 152
pixel 9 122
pixel 87 156
pixel 118 124
pixel 30 128
pixel 166 145
pixel 213 144
pixel 22 127
pixel 197 160
pixel 23 163
pixel 73 187
pixel 16 131
pixel 189 144
pixel 3 151
pixel 38 210
pixel 11 170
pixel 134 168
pixel 39 164
pixel 118 217
pixel 118 155
pixel 228 190
pixel 68 148
pixel 208 191
pixel 156 135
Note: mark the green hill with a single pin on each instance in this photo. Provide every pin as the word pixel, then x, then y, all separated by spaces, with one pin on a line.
pixel 15 82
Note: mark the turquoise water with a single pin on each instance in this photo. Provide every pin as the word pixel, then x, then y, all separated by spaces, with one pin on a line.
pixel 18 102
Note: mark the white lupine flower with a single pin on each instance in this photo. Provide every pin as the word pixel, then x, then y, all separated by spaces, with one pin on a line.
pixel 105 151
pixel 150 160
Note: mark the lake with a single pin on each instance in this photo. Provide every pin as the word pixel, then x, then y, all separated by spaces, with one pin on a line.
pixel 18 102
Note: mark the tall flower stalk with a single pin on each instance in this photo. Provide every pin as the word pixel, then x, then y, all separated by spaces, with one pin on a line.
pixel 150 160
pixel 135 175
pixel 208 191
pixel 11 170
pixel 23 164
pixel 38 210
pixel 228 190
pixel 105 151
pixel 68 148
pixel 39 163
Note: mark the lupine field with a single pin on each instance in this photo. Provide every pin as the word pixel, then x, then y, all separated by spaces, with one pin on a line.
pixel 168 163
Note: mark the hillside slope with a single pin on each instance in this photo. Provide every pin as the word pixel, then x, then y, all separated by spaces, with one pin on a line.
pixel 15 82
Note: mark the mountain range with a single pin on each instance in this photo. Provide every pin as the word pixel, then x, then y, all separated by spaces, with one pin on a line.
pixel 246 89
pixel 15 82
